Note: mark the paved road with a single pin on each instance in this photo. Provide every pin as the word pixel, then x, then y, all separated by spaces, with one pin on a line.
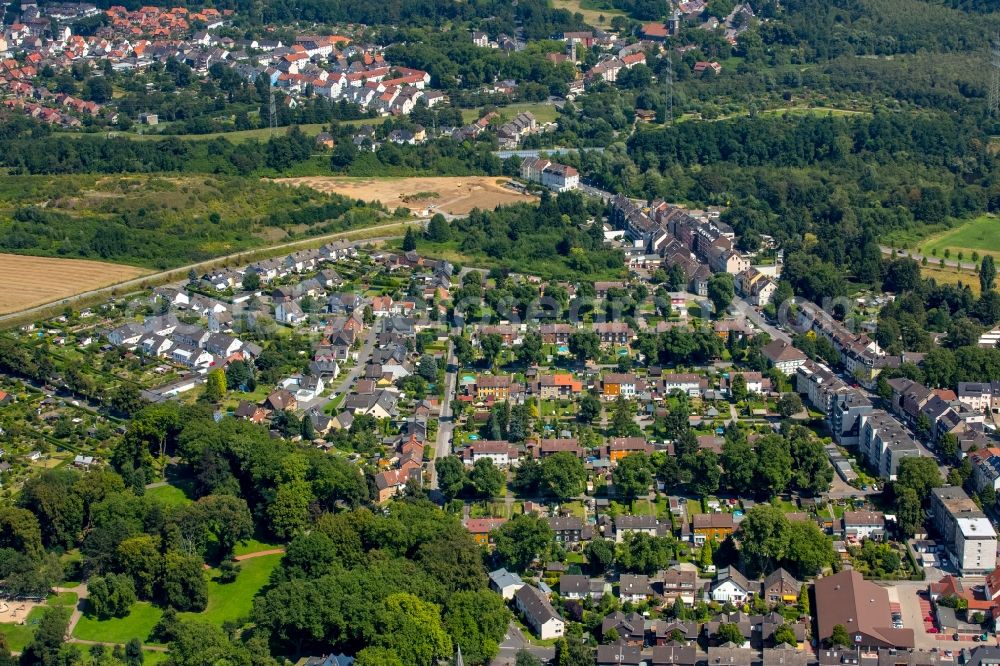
pixel 182 271
pixel 515 641
pixel 933 262
pixel 748 311
pixel 348 381
pixel 446 423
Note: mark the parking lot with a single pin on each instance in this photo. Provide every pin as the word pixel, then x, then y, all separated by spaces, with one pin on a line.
pixel 911 600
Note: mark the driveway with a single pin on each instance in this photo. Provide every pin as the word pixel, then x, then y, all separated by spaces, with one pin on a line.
pixel 348 380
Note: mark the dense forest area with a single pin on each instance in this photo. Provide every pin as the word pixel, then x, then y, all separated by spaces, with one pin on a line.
pixel 826 187
pixel 556 239
pixel 829 28
pixel 403 584
pixel 27 147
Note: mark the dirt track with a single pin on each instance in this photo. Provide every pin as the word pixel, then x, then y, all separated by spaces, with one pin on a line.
pixel 450 195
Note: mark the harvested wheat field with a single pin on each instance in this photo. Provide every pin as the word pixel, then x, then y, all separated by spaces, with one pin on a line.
pixel 451 195
pixel 32 281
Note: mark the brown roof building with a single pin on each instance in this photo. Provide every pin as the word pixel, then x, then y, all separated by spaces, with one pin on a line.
pixel 862 607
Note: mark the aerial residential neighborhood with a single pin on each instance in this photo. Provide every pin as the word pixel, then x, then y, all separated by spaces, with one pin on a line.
pixel 551 332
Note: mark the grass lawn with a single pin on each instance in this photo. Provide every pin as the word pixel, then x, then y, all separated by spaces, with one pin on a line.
pixel 18 635
pixel 253 546
pixel 234 600
pixel 542 111
pixel 786 506
pixel 153 657
pixel 225 602
pixel 168 496
pixel 575 508
pixel 693 507
pixel 592 10
pixel 643 507
pixel 981 234
pixel 331 407
pixel 261 134
pixel 137 624
pixel 62 599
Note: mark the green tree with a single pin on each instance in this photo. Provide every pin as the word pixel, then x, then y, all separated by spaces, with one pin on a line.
pixel 809 550
pixel 739 462
pixel 251 281
pixel 110 596
pixel 19 531
pixel 721 291
pixel 183 585
pixel 839 637
pixel 702 469
pixel 803 604
pixel 644 554
pixel 588 408
pixel 47 642
pixel 289 512
pixel 477 621
pixel 134 656
pixel 215 386
pixel 584 345
pixel 126 399
pixel 789 404
pixel 738 388
pixel 622 418
pixel 412 629
pixel 525 658
pixel 730 633
pixel 632 476
pixel 600 555
pixel 487 478
pixel 563 475
pixel 59 510
pixel 987 274
pixel 427 368
pixel 377 656
pixel 774 464
pixel 921 473
pixel 764 538
pixel 438 230
pixel 490 346
pixel 909 513
pixel 529 352
pixel 409 240
pixel 785 634
pixel 450 476
pixel 520 540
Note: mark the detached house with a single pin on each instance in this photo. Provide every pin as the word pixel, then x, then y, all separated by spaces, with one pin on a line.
pixel 634 588
pixel 680 584
pixel 781 586
pixel 783 356
pixel 731 586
